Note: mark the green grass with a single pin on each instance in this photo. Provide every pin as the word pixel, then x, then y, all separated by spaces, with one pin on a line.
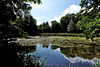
pixel 62 41
pixel 63 34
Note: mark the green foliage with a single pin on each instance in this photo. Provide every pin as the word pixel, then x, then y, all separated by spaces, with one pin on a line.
pixel 56 27
pixel 63 34
pixel 71 27
pixel 91 29
pixel 29 25
pixel 11 11
pixel 66 19
pixel 90 22
pixel 16 30
pixel 44 28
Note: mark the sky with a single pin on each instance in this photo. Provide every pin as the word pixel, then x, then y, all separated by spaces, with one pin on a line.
pixel 51 10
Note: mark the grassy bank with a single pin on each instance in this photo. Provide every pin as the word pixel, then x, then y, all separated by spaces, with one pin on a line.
pixel 62 34
pixel 62 41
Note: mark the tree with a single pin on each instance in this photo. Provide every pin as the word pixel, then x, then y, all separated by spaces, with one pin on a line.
pixel 71 27
pixel 47 28
pixel 29 25
pixel 65 21
pixel 90 27
pixel 44 28
pixel 91 8
pixel 12 10
pixel 15 29
pixel 40 28
pixel 56 27
pixel 90 22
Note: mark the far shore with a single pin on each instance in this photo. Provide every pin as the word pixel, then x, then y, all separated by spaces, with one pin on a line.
pixel 61 41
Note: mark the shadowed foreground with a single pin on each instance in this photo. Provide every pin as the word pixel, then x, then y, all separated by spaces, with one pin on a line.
pixel 14 55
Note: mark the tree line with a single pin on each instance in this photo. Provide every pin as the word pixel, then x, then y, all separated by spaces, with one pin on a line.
pixel 16 20
pixel 67 24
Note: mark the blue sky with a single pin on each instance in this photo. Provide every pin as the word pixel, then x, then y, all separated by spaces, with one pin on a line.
pixel 51 10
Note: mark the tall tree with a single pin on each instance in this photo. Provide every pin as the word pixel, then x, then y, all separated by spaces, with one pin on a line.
pixel 47 28
pixel 90 22
pixel 44 28
pixel 12 10
pixel 56 27
pixel 29 25
pixel 71 27
pixel 40 28
pixel 65 21
pixel 90 8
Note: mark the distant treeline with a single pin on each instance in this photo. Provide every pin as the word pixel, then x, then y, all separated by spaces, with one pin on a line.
pixel 16 20
pixel 27 26
pixel 62 34
pixel 68 23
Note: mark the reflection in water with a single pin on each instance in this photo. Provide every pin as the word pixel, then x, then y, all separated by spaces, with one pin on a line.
pixel 10 56
pixel 52 56
pixel 89 52
pixel 65 57
pixel 13 55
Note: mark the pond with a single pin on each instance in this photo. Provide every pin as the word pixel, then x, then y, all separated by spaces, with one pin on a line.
pixel 67 57
pixel 50 50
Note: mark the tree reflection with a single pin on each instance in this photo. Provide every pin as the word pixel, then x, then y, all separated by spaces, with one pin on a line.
pixel 88 52
pixel 13 55
pixel 54 47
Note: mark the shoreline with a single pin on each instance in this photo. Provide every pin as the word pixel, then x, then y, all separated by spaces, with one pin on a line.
pixel 61 41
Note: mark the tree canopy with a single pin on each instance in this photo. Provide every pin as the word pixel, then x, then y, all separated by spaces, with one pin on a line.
pixel 56 27
pixel 90 22
pixel 44 28
pixel 65 21
pixel 12 10
pixel 16 19
pixel 71 27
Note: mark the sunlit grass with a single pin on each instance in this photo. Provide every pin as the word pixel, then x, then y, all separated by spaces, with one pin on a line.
pixel 62 34
pixel 62 41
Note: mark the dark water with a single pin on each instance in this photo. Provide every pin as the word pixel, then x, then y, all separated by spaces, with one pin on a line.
pixel 13 55
pixel 68 57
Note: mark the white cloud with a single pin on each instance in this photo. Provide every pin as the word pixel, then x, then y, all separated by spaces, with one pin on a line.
pixel 37 6
pixel 39 22
pixel 71 9
pixel 80 59
pixel 40 17
pixel 57 18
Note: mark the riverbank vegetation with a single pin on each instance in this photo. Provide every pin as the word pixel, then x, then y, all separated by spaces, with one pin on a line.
pixel 12 13
pixel 21 23
pixel 16 21
pixel 61 41
pixel 62 34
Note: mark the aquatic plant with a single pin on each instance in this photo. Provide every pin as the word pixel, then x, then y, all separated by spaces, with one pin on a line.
pixel 96 64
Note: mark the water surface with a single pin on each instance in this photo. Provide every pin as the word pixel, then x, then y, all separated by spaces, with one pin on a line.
pixel 67 57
